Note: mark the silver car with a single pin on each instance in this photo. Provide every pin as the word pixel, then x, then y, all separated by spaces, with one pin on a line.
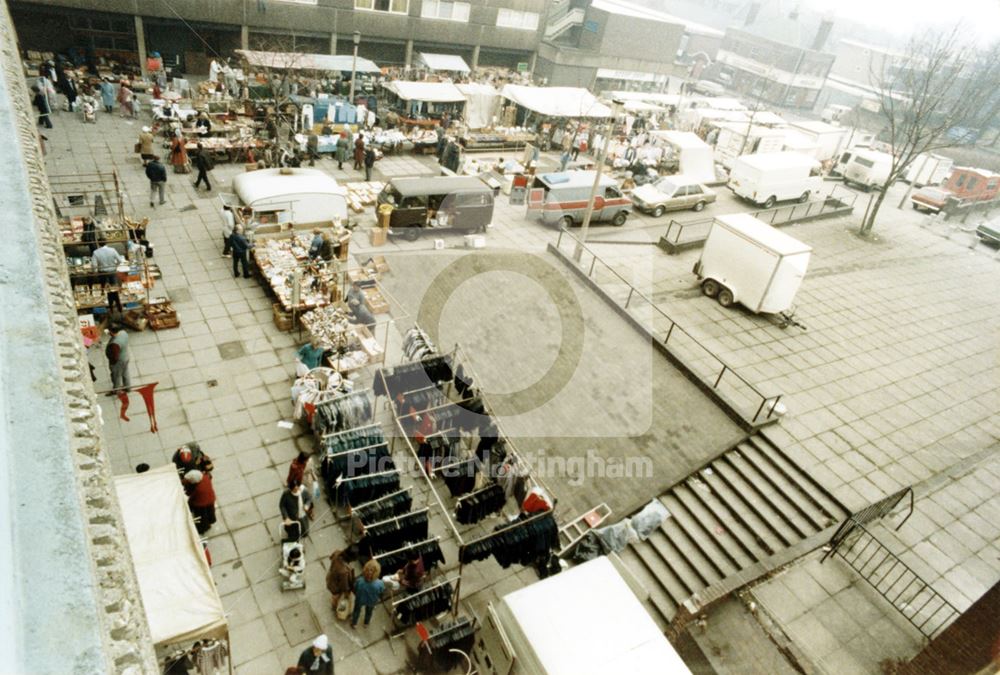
pixel 671 193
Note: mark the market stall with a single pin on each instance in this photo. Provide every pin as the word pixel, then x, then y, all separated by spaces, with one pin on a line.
pixel 182 604
pixel 423 103
pixel 442 63
pixel 571 102
pixel 482 105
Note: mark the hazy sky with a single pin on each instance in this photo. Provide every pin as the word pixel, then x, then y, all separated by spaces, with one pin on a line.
pixel 903 16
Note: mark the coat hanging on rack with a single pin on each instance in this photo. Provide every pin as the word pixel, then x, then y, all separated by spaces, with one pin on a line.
pixel 394 533
pixel 516 542
pixel 366 488
pixel 344 412
pixel 475 506
pixel 429 550
pixel 429 602
pixel 384 507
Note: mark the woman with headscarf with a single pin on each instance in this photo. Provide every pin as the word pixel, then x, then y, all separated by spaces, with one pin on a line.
pixel 201 499
pixel 179 155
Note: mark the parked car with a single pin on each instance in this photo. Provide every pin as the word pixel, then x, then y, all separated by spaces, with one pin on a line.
pixel 563 197
pixel 989 232
pixel 672 193
pixel 929 199
pixel 709 88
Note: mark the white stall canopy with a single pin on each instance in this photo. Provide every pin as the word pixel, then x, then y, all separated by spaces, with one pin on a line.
pixel 296 61
pixel 482 104
pixel 178 592
pixel 429 92
pixel 556 101
pixel 443 62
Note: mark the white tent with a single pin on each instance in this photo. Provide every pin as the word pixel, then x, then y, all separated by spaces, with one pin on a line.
pixel 431 92
pixel 296 61
pixel 556 101
pixel 446 62
pixel 483 103
pixel 178 592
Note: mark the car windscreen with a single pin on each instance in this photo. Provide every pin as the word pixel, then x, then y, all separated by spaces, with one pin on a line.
pixel 666 186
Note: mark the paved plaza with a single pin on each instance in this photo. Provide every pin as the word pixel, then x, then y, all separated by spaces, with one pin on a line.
pixel 894 382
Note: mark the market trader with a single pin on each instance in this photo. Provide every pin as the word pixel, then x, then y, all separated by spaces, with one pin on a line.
pixel 189 457
pixel 118 355
pixel 105 261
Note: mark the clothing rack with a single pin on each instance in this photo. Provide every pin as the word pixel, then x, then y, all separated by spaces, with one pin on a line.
pixel 423 548
pixel 409 527
pixel 366 505
pixel 399 606
pixel 396 518
pixel 342 432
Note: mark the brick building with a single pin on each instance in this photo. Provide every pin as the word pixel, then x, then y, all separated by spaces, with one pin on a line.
pixel 971 184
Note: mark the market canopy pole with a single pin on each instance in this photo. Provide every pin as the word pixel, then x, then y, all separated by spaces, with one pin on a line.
pixel 616 107
pixel 354 65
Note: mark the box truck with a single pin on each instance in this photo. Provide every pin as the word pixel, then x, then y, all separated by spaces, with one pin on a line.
pixel 767 178
pixel 745 260
pixel 867 168
pixel 584 621
pixel 928 170
pixel 826 137
pixel 737 139
pixel 693 154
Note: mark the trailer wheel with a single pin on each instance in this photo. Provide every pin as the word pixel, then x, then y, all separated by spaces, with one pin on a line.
pixel 804 198
pixel 770 202
pixel 659 211
pixel 710 287
pixel 411 233
pixel 699 206
pixel 725 297
pixel 619 219
pixel 567 222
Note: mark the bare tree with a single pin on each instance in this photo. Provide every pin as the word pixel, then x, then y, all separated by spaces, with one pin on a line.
pixel 941 92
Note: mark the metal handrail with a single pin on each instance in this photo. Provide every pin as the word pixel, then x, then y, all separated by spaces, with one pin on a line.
pixel 634 292
pixel 879 509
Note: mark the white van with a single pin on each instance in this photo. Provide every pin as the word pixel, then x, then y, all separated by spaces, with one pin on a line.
pixel 928 170
pixel 767 178
pixel 867 168
pixel 299 196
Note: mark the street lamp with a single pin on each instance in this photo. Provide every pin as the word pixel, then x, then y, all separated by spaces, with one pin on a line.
pixel 354 65
pixel 616 111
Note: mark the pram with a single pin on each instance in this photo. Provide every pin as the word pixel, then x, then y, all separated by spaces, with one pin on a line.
pixel 89 109
pixel 293 558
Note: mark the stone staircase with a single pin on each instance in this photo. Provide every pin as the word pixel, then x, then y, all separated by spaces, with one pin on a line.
pixel 728 520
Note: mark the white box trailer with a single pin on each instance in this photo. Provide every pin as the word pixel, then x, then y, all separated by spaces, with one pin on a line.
pixel 928 170
pixel 767 178
pixel 736 139
pixel 300 196
pixel 745 260
pixel 584 621
pixel 827 137
pixel 867 168
pixel 694 154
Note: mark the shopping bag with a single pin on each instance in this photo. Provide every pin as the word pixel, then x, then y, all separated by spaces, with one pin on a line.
pixel 345 606
pixel 301 369
pixel 138 146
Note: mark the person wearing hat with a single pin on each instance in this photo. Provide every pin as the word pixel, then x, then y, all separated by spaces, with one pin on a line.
pixel 201 499
pixel 317 657
pixel 190 458
pixel 146 145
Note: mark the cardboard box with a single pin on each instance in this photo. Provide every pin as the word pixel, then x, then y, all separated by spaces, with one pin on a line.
pixel 378 236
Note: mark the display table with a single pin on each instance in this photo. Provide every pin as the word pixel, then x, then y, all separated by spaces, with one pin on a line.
pixel 280 259
pixel 353 345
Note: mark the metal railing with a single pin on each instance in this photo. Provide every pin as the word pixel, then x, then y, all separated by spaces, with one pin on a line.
pixel 751 403
pixel 879 509
pixel 914 598
pixel 683 233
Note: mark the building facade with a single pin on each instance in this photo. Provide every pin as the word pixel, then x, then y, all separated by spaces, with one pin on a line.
pixel 484 32
pixel 972 184
pixel 780 73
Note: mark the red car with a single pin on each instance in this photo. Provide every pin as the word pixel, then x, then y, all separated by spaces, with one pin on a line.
pixel 930 199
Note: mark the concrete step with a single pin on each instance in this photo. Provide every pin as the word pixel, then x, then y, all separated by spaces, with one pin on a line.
pixel 719 529
pixel 659 601
pixel 738 505
pixel 691 548
pixel 701 534
pixel 813 493
pixel 786 505
pixel 772 517
pixel 735 524
pixel 668 578
pixel 688 573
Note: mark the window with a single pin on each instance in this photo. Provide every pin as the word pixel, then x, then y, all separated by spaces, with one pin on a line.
pixel 992 185
pixel 394 6
pixel 972 183
pixel 445 9
pixel 511 18
pixel 867 163
pixel 301 2
pixel 961 181
pixel 694 190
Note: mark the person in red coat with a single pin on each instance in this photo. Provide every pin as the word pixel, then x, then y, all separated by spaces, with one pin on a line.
pixel 359 153
pixel 201 499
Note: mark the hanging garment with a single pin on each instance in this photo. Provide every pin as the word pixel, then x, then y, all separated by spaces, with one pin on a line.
pixel 344 412
pixel 428 603
pixel 463 383
pixel 450 634
pixel 429 550
pixel 475 506
pixel 348 439
pixel 410 376
pixel 460 477
pixel 516 542
pixel 417 345
pixel 365 488
pixel 210 658
pixel 394 533
pixel 353 463
pixel 384 507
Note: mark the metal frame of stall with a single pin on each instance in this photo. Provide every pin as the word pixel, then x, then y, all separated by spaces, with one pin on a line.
pixel 456 353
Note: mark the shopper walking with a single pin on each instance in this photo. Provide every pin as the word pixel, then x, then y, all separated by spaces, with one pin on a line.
pixel 179 155
pixel 203 163
pixel 157 175
pixel 359 152
pixel 201 499
pixel 126 101
pixel 368 591
pixel 340 578
pixel 317 659
pixel 146 145
pixel 301 471
pixel 240 247
pixel 41 101
pixel 369 162
pixel 108 95
pixel 118 355
pixel 344 144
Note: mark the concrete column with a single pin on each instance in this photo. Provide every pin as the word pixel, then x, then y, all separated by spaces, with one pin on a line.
pixel 140 43
pixel 531 65
pixel 333 44
pixel 244 37
pixel 475 58
pixel 408 59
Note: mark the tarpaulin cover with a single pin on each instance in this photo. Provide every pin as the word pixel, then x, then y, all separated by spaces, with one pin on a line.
pixel 483 103
pixel 178 592
pixel 556 101
pixel 296 61
pixel 448 62
pixel 431 92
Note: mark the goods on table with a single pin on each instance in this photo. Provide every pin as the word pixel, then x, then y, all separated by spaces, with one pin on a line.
pixel 500 138
pixel 353 346
pixel 107 229
pixel 376 302
pixel 278 260
pixel 161 314
pixel 88 297
pixel 361 194
pixel 389 138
